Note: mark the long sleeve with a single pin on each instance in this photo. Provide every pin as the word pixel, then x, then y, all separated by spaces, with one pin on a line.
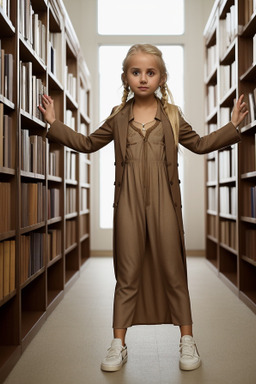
pixel 221 138
pixel 62 134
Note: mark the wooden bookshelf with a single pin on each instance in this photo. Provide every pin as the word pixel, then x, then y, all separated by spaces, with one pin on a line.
pixel 44 187
pixel 230 69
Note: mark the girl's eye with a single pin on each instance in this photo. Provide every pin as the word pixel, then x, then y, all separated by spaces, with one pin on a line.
pixel 135 73
pixel 150 73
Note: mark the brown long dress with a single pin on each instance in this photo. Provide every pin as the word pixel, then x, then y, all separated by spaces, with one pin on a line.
pixel 151 276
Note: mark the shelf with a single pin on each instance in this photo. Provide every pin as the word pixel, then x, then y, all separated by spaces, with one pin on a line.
pixel 228 181
pixel 250 74
pixel 30 121
pixel 31 228
pixel 54 220
pixel 229 56
pixel 227 216
pixel 213 239
pixel 7 171
pixel 32 175
pixel 27 54
pixel 248 175
pixel 249 129
pixel 55 179
pixel 228 99
pixel 247 219
pixel 229 249
pixel 7 28
pixel 8 103
pixel 212 117
pixel 249 260
pixel 224 7
pixel 212 77
pixel 7 235
pixel 250 27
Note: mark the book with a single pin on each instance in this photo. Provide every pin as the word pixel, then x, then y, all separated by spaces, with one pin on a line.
pixel 6 268
pixel 1 270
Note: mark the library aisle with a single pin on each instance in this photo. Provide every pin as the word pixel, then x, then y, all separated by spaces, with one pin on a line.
pixel 69 347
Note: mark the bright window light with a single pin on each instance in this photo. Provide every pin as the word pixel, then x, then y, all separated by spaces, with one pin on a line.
pixel 110 68
pixel 140 17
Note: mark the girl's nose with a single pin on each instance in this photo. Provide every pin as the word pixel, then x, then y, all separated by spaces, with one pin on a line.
pixel 143 78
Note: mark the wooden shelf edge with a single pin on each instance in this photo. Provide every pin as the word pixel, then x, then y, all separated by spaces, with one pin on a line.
pixel 7 102
pixel 33 277
pixel 248 175
pixel 249 260
pixel 7 235
pixel 229 249
pixel 248 219
pixel 54 261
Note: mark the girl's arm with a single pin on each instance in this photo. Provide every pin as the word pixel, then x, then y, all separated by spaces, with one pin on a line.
pixel 221 138
pixel 62 134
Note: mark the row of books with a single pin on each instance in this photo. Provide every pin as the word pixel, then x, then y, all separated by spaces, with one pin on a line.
pixel 212 199
pixel 228 200
pixel 54 243
pixel 32 251
pixel 32 152
pixel 6 150
pixel 211 170
pixel 225 116
pixel 32 28
pixel 33 203
pixel 5 5
pixel 211 99
pixel 249 9
pixel 211 61
pixel 228 233
pixel 54 163
pixel 252 106
pixel 70 119
pixel 250 243
pixel 84 129
pixel 53 203
pixel 6 202
pixel 84 199
pixel 228 29
pixel 31 90
pixel 83 101
pixel 55 57
pixel 253 201
pixel 84 169
pixel 70 165
pixel 70 83
pixel 71 233
pixel 7 267
pixel 70 200
pixel 254 49
pixel 211 219
pixel 227 161
pixel 6 73
pixel 227 78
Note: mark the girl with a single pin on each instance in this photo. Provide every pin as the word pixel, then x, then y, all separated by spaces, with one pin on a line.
pixel 149 252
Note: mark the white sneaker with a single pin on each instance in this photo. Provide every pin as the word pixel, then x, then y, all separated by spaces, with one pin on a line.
pixel 189 356
pixel 116 356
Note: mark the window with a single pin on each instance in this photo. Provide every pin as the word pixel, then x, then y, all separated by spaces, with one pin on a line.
pixel 143 17
pixel 110 68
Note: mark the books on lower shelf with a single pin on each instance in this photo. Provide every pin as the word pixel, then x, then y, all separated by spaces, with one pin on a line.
pixel 211 98
pixel 5 207
pixel 32 152
pixel 70 200
pixel 227 78
pixel 7 267
pixel 227 161
pixel 71 233
pixel 53 202
pixel 253 201
pixel 33 203
pixel 70 165
pixel 55 63
pixel 6 151
pixel 70 119
pixel 6 74
pixel 228 200
pixel 212 230
pixel 54 243
pixel 228 233
pixel 212 199
pixel 71 83
pixel 54 163
pixel 31 90
pixel 31 254
pixel 84 200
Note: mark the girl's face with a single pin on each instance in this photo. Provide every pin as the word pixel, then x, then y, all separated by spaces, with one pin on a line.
pixel 143 75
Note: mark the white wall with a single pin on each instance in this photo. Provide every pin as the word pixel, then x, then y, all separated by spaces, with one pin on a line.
pixel 83 16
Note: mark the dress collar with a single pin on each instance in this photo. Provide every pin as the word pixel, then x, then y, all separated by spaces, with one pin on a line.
pixel 158 111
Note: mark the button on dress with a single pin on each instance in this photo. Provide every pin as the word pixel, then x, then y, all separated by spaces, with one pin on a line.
pixel 151 276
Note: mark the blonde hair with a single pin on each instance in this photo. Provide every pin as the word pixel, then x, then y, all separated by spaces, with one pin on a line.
pixel 170 109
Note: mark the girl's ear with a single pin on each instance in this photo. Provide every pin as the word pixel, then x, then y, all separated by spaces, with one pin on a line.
pixel 163 80
pixel 124 81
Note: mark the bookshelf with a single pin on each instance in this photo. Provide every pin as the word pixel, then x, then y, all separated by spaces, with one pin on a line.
pixel 44 187
pixel 230 69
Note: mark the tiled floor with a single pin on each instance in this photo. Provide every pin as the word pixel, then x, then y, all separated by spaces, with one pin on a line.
pixel 69 347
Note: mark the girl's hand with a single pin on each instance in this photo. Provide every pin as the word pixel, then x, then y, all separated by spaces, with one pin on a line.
pixel 48 109
pixel 239 112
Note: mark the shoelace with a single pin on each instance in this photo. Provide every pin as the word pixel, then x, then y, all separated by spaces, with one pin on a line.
pixel 114 351
pixel 188 348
